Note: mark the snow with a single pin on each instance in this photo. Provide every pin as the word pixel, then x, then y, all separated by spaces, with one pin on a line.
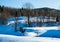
pixel 39 30
pixel 11 38
pixel 43 28
pixel 32 34
pixel 31 19
pixel 30 31
pixel 12 22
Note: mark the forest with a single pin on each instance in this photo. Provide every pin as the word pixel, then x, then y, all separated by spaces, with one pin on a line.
pixel 8 12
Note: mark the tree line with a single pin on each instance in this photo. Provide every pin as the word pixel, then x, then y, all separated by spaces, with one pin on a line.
pixel 6 12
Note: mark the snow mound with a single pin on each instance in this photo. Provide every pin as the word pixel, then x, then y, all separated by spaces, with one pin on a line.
pixel 31 34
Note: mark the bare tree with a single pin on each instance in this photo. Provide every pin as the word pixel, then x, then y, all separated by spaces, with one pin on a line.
pixel 57 20
pixel 28 6
pixel 16 17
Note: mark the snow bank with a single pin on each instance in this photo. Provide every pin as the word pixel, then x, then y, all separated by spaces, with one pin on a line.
pixel 39 30
pixel 10 38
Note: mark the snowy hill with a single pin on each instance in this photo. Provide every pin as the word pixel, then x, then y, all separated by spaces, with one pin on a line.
pixel 44 31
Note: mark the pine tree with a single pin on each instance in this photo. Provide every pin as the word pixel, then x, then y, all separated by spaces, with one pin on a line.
pixel 2 8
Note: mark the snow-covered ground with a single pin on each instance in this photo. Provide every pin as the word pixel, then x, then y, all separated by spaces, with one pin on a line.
pixel 30 31
pixel 31 19
pixel 21 21
pixel 10 38
pixel 32 34
pixel 39 30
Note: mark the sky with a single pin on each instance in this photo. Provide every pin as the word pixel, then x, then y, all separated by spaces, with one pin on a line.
pixel 36 3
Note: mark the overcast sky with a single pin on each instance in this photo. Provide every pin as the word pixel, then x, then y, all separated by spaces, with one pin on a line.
pixel 36 3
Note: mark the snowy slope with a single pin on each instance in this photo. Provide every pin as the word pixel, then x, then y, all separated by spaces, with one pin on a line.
pixel 10 38
pixel 30 31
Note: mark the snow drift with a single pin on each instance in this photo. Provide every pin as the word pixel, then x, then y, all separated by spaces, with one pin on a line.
pixel 10 38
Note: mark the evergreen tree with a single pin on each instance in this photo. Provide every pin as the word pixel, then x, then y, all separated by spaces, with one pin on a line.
pixel 1 8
